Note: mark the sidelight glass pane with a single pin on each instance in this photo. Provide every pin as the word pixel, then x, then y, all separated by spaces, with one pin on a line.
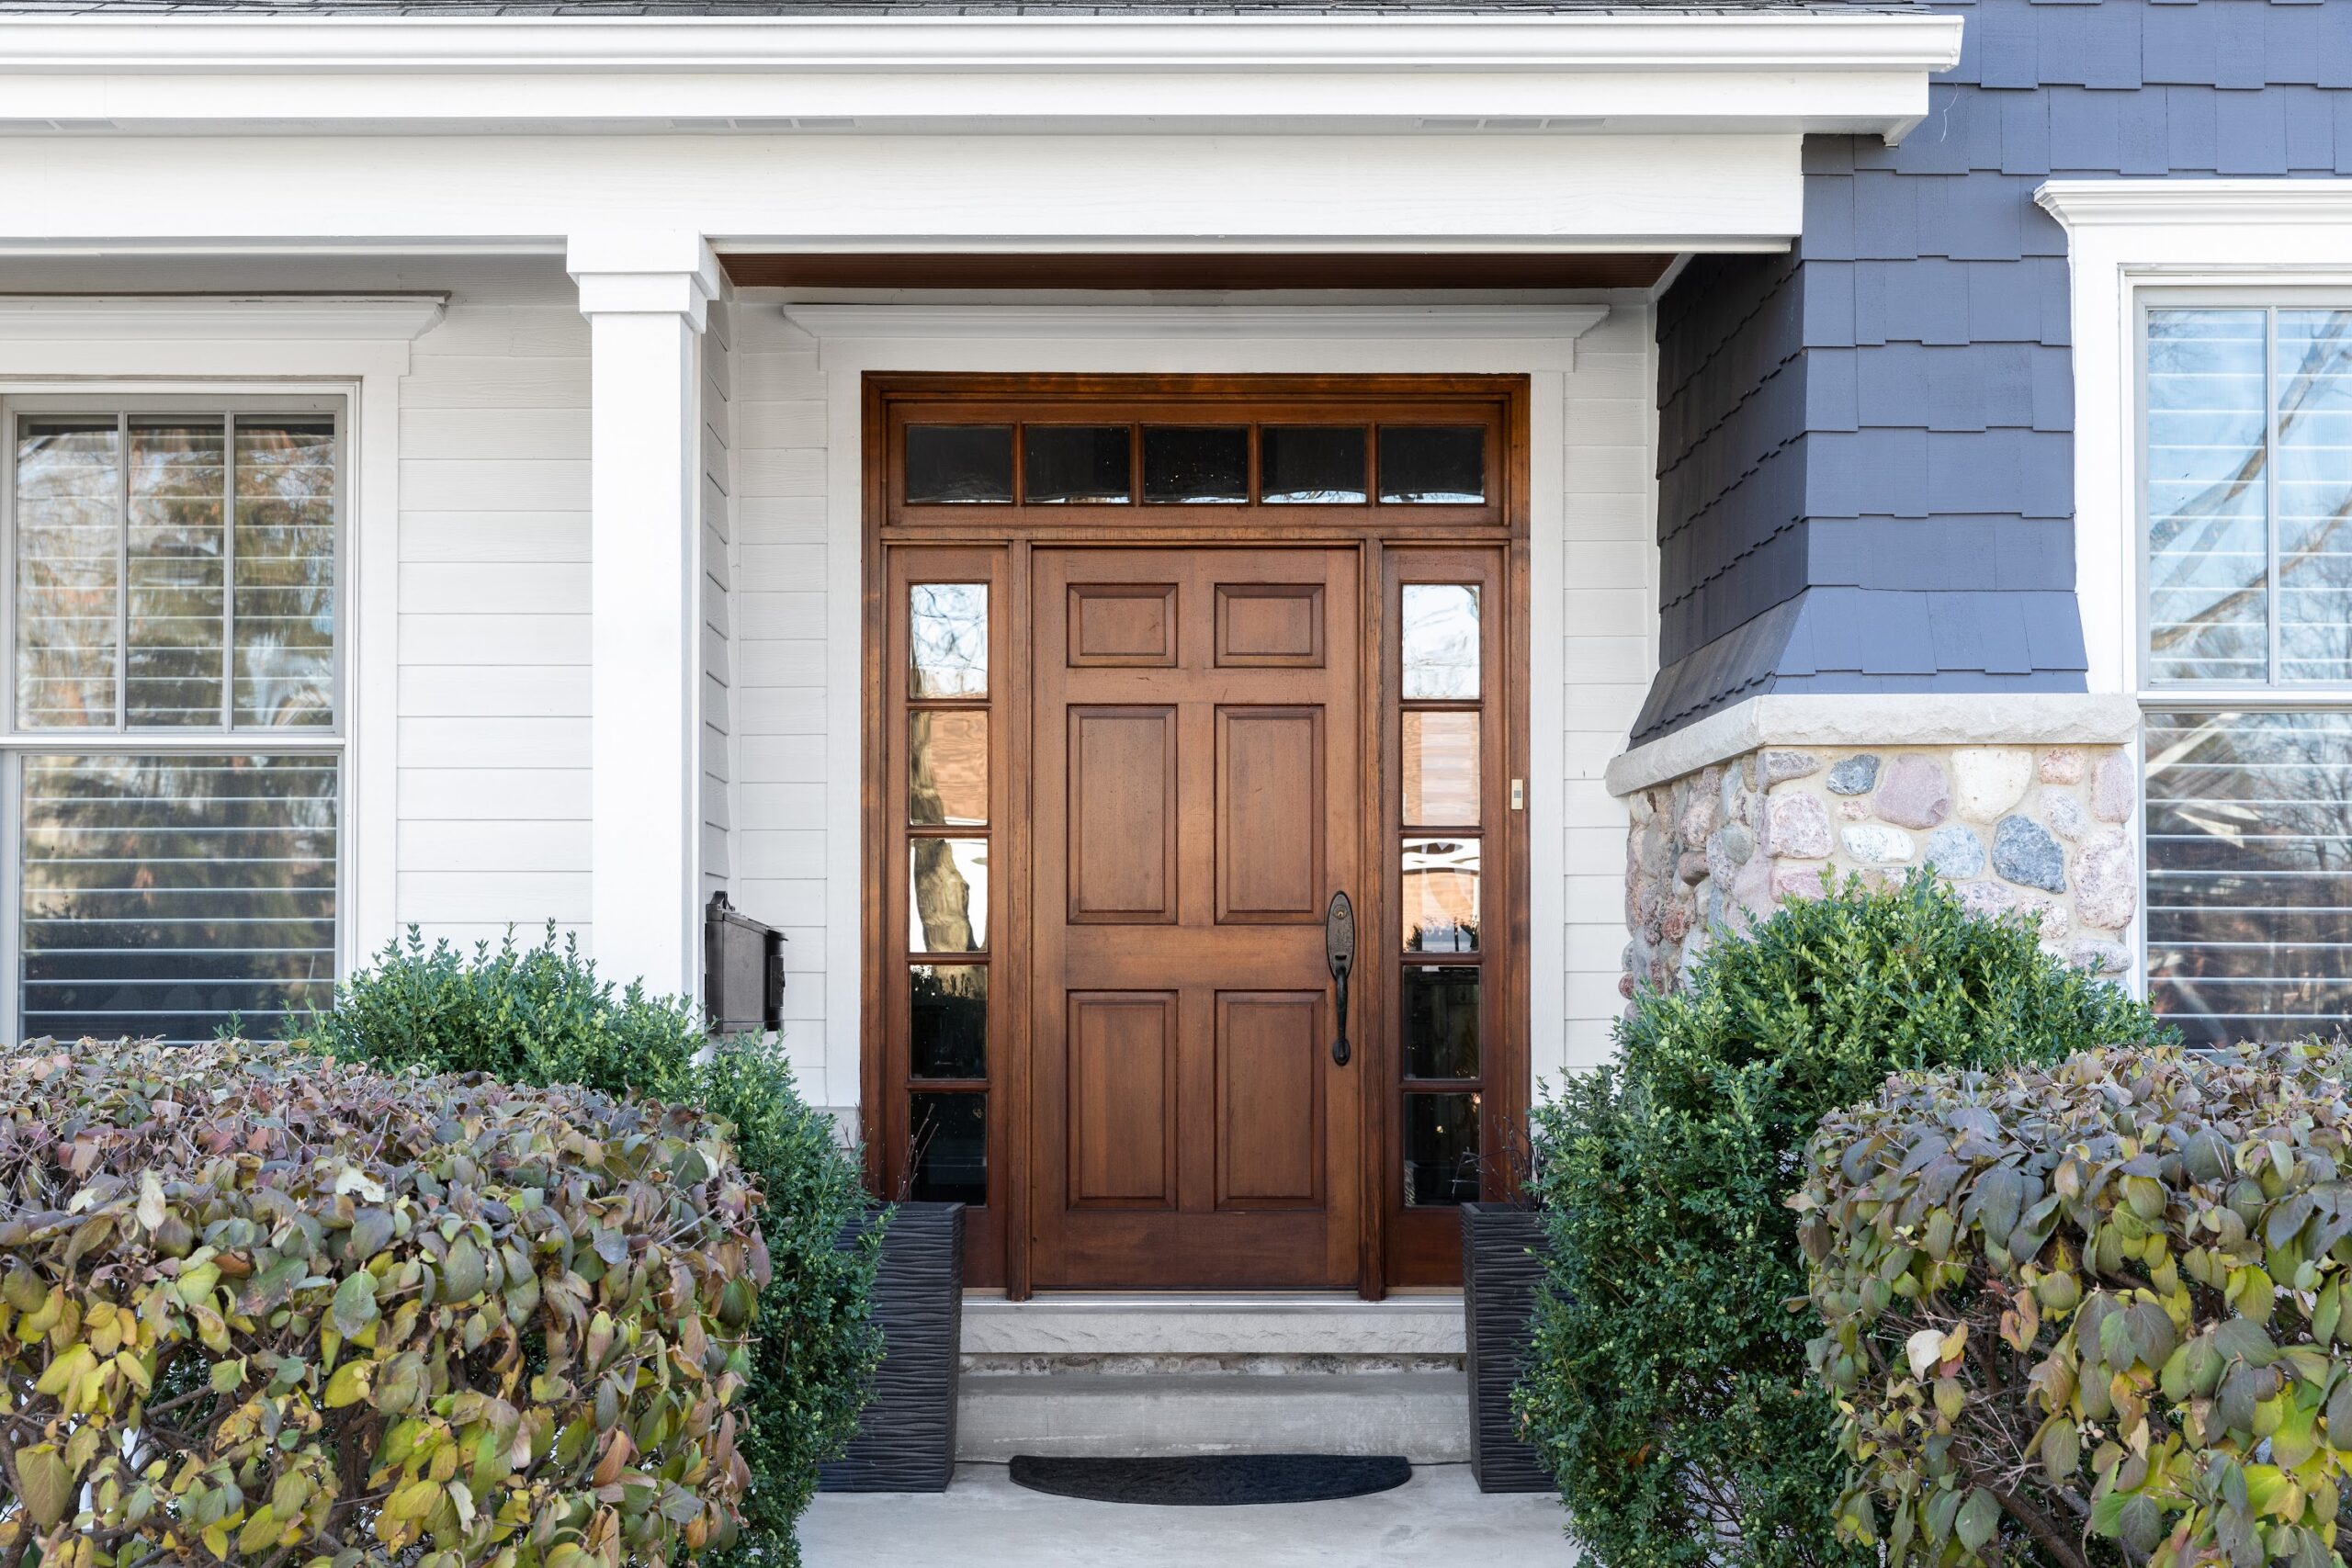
pixel 2249 855
pixel 178 503
pixel 1441 769
pixel 958 464
pixel 286 572
pixel 948 1020
pixel 947 767
pixel 1441 1149
pixel 1306 465
pixel 1193 464
pixel 2314 377
pixel 947 1142
pixel 69 532
pixel 1439 887
pixel 1440 1022
pixel 2208 520
pixel 1440 638
pixel 947 640
pixel 947 905
pixel 1442 465
pixel 168 896
pixel 1076 465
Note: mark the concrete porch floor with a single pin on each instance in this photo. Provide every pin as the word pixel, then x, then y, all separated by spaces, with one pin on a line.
pixel 985 1521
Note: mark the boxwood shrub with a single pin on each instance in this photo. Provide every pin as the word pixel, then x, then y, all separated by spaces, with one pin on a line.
pixel 1667 1386
pixel 2092 1314
pixel 541 1015
pixel 259 1308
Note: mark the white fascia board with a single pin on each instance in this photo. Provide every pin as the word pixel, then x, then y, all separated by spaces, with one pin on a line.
pixel 1798 72
pixel 1167 193
pixel 2191 203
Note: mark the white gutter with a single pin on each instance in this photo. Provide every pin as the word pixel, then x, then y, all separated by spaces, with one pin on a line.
pixel 1851 71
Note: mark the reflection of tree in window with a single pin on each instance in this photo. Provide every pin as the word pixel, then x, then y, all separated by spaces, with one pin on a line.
pixel 162 895
pixel 2249 835
pixel 948 640
pixel 949 892
pixel 285 544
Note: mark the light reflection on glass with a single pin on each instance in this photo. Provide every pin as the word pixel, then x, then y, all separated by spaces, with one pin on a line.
pixel 947 640
pixel 1441 641
pixel 947 903
pixel 1440 894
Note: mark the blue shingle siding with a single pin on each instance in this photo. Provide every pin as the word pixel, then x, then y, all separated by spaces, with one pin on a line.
pixel 1866 447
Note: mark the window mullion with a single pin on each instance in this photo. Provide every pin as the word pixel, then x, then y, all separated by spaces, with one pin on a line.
pixel 2271 603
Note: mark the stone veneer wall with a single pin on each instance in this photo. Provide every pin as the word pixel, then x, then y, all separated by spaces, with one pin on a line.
pixel 2037 829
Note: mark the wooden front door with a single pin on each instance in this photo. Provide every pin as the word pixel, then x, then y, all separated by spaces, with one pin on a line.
pixel 1199 794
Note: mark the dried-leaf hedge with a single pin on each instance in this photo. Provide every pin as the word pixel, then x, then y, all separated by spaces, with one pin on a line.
pixel 2092 1314
pixel 255 1307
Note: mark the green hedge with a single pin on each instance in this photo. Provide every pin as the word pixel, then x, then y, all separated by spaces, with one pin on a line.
pixel 1666 1387
pixel 540 1015
pixel 2092 1314
pixel 258 1308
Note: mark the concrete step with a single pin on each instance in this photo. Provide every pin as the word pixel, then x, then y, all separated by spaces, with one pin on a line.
pixel 1424 1416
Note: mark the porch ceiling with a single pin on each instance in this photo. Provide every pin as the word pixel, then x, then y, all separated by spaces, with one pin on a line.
pixel 1196 270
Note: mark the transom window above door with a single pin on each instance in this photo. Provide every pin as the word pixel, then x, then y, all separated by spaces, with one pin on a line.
pixel 1169 459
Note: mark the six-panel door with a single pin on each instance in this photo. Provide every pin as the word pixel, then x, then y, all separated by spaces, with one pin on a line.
pixel 1199 794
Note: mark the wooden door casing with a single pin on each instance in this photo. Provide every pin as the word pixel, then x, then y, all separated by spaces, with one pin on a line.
pixel 1199 796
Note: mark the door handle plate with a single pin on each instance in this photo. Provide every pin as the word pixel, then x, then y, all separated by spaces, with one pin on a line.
pixel 1339 956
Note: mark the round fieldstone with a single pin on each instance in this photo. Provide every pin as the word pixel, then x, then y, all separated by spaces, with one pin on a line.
pixel 1691 868
pixel 1796 882
pixel 2100 957
pixel 1988 780
pixel 1915 793
pixel 2106 882
pixel 1873 844
pixel 2111 788
pixel 1798 828
pixel 1956 854
pixel 1854 775
pixel 1738 842
pixel 2063 766
pixel 1781 766
pixel 2024 852
pixel 2062 810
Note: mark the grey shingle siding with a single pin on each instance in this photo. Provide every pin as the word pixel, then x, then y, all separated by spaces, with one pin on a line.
pixel 1878 495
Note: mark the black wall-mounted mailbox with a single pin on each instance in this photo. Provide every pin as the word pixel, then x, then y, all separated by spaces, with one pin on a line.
pixel 742 970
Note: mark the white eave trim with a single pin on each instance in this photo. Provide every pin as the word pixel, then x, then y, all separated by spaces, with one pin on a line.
pixel 197 318
pixel 1786 71
pixel 1506 323
pixel 2086 204
pixel 1805 41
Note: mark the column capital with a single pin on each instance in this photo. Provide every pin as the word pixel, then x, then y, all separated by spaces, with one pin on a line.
pixel 644 272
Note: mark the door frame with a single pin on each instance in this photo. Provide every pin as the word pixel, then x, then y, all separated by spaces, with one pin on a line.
pixel 998 1250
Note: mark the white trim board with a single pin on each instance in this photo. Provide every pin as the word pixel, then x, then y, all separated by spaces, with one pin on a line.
pixel 1852 72
pixel 1317 193
pixel 1126 340
pixel 219 318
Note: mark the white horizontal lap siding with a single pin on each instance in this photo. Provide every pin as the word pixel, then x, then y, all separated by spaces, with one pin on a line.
pixel 719 703
pixel 777 512
pixel 494 611
pixel 1608 630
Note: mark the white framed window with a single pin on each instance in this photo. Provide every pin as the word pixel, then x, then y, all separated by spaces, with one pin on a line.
pixel 172 765
pixel 2244 656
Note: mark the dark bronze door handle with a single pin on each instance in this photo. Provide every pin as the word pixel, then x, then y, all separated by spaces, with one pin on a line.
pixel 1339 953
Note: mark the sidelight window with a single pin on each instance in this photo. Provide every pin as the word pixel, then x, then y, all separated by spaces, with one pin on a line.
pixel 174 757
pixel 1442 727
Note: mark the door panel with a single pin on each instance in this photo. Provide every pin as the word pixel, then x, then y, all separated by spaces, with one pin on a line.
pixel 1200 793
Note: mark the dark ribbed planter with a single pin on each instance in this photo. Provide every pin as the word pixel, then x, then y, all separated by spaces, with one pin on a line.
pixel 906 1436
pixel 1503 1267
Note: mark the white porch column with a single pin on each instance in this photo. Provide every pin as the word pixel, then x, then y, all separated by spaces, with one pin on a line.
pixel 645 295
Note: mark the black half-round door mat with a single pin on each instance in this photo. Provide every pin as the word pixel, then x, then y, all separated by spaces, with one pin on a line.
pixel 1209 1480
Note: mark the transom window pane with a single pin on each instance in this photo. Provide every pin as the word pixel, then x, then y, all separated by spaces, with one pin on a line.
pixel 958 464
pixel 173 896
pixel 1075 465
pixel 2249 845
pixel 1433 465
pixel 1308 465
pixel 1183 464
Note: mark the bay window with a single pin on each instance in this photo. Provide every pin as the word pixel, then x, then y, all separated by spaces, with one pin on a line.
pixel 2247 665
pixel 173 762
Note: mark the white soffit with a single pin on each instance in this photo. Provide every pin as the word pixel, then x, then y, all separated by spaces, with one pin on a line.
pixel 1786 71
